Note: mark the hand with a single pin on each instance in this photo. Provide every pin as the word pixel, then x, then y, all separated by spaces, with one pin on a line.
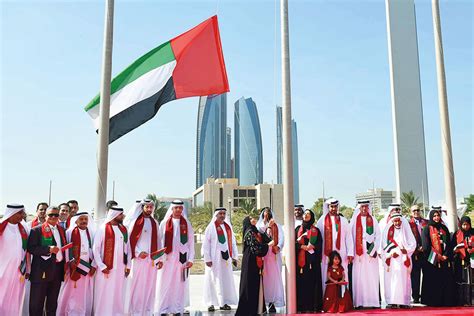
pixel 395 255
pixel 420 249
pixel 271 222
pixel 188 264
pixel 387 261
pixel 159 265
pixel 470 250
pixel 271 243
pixel 444 258
pixel 404 251
pixel 309 247
pixel 92 271
pixel 350 258
pixel 143 255
pixel 27 276
pixel 276 249
pixel 106 271
pixel 53 249
pixel 304 247
pixel 209 264
pixel 234 262
pixel 127 272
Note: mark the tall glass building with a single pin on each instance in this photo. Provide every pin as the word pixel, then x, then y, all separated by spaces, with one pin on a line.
pixel 294 141
pixel 248 165
pixel 211 139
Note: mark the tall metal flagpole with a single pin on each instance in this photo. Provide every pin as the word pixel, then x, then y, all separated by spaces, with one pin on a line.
pixel 449 186
pixel 287 163
pixel 103 147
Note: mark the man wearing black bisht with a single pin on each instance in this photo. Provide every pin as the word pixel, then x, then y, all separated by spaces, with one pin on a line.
pixel 463 244
pixel 417 223
pixel 251 299
pixel 309 293
pixel 438 287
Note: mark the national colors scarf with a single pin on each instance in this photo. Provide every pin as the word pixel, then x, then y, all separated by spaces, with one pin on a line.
pixel 76 250
pixel 137 232
pixel 221 237
pixel 392 244
pixel 415 230
pixel 109 244
pixel 463 244
pixel 328 234
pixel 35 222
pixel 438 239
pixel 183 233
pixel 273 231
pixel 258 259
pixel 369 229
pixel 24 241
pixel 312 236
pixel 47 238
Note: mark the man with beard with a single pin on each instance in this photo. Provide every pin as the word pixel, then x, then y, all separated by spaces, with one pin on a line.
pixel 77 293
pixel 112 255
pixel 73 207
pixel 298 214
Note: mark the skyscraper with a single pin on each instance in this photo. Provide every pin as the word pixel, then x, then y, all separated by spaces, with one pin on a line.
pixel 294 141
pixel 247 143
pixel 211 139
pixel 228 153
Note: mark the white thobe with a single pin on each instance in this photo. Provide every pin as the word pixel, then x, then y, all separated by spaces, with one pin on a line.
pixel 397 280
pixel 109 293
pixel 172 292
pixel 272 281
pixel 219 288
pixel 144 272
pixel 365 282
pixel 12 285
pixel 76 297
pixel 347 246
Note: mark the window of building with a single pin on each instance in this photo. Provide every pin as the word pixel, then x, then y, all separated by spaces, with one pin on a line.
pixel 242 193
pixel 236 193
pixel 252 193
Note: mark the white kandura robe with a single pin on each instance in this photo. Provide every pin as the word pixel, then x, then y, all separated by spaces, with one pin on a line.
pixel 397 280
pixel 12 285
pixel 219 288
pixel 272 280
pixel 109 295
pixel 172 292
pixel 76 297
pixel 365 276
pixel 144 272
pixel 347 246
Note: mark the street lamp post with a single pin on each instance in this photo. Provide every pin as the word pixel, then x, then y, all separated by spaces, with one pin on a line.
pixel 229 200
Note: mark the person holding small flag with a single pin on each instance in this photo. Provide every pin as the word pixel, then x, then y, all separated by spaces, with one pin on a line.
pixel 13 242
pixel 366 236
pixel 220 252
pixel 111 252
pixel 145 253
pixel 337 298
pixel 463 240
pixel 45 244
pixel 177 236
pixel 76 296
pixel 438 287
pixel 417 223
pixel 398 244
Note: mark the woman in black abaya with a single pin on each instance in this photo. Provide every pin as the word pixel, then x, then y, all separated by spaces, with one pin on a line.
pixel 463 245
pixel 251 299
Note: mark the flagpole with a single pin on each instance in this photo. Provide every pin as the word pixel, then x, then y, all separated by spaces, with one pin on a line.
pixel 103 146
pixel 49 196
pixel 288 197
pixel 449 185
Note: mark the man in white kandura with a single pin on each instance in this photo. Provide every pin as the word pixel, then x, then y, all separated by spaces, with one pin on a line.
pixel 272 282
pixel 112 256
pixel 365 276
pixel 76 295
pixel 398 244
pixel 177 236
pixel 220 252
pixel 336 235
pixel 13 241
pixel 143 230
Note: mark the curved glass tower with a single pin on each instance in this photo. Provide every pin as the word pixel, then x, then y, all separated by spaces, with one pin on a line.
pixel 211 139
pixel 247 143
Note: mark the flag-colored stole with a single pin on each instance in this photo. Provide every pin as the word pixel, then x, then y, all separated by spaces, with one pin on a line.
pixel 462 245
pixel 415 231
pixel 221 237
pixel 157 254
pixel 274 229
pixel 438 239
pixel 258 259
pixel 46 235
pixel 76 251
pixel 328 234
pixel 391 243
pixel 24 242
pixel 109 243
pixel 35 222
pixel 183 233
pixel 137 232
pixel 312 236
pixel 369 229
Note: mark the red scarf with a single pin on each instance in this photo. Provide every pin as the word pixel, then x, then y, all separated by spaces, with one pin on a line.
pixel 415 230
pixel 460 239
pixel 109 243
pixel 228 233
pixel 35 222
pixel 312 235
pixel 137 232
pixel 328 234
pixel 183 232
pixel 436 240
pixel 274 230
pixel 369 226
pixel 76 249
pixel 23 233
pixel 259 260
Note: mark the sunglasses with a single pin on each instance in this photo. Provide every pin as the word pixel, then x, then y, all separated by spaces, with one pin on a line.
pixel 53 215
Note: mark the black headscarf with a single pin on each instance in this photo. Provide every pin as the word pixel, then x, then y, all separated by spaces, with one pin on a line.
pixel 307 225
pixel 468 233
pixel 437 225
pixel 247 225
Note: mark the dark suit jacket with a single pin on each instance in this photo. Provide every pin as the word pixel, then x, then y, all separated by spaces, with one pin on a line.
pixel 52 270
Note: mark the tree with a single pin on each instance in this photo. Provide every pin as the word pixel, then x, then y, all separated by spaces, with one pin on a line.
pixel 160 208
pixel 408 200
pixel 347 212
pixel 318 208
pixel 469 201
pixel 376 214
pixel 201 216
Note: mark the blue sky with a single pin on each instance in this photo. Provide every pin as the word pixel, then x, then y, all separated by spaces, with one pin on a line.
pixel 50 68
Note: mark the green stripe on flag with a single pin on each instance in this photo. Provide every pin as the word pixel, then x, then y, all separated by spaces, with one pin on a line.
pixel 155 58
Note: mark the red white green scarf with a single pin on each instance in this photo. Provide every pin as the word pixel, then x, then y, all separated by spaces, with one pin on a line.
pixel 221 237
pixel 35 222
pixel 109 243
pixel 369 229
pixel 183 233
pixel 24 241
pixel 76 250
pixel 438 239
pixel 137 232
pixel 328 234
pixel 47 235
pixel 312 237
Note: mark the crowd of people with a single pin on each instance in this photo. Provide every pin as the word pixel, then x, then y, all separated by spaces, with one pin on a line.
pixel 131 264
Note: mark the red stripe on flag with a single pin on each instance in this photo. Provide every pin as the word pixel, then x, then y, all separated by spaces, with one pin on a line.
pixel 68 246
pixel 200 68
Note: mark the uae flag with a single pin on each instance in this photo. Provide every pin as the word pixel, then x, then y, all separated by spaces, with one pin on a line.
pixel 191 64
